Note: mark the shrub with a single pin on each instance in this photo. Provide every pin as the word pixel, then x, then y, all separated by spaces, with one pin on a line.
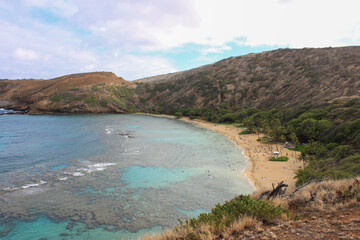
pixel 92 101
pixel 178 114
pixel 56 98
pixel 246 131
pixel 74 89
pixel 223 216
pixel 103 102
pixel 279 159
pixel 298 148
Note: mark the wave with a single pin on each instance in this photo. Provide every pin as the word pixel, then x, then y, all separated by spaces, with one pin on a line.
pixel 76 173
pixel 96 167
pixel 29 185
pixel 33 184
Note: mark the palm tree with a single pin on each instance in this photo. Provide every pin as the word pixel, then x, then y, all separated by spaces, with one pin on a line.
pixel 303 158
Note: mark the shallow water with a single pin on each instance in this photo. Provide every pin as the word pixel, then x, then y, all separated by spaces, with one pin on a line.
pixel 110 176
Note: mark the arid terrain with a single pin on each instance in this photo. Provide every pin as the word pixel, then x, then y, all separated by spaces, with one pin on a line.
pixel 283 77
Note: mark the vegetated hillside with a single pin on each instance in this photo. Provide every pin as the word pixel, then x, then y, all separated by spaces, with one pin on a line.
pixel 321 210
pixel 304 96
pixel 283 77
pixel 76 93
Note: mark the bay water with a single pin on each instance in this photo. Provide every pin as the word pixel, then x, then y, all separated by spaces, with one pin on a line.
pixel 110 176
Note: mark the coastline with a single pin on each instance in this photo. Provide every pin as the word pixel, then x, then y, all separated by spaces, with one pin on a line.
pixel 261 172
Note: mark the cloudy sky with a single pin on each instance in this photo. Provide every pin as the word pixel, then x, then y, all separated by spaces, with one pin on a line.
pixel 140 38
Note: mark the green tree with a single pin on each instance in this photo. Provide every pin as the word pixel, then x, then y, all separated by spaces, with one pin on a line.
pixel 178 114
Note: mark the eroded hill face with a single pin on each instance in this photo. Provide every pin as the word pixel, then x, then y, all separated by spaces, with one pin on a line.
pixel 284 77
pixel 277 78
pixel 76 93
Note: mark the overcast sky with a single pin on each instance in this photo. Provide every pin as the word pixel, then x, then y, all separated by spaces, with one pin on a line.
pixel 140 38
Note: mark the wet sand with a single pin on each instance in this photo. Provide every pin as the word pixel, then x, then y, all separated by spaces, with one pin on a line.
pixel 261 172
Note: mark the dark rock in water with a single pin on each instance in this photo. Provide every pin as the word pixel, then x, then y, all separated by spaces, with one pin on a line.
pixel 63 234
pixel 70 226
pixel 128 134
pixel 43 239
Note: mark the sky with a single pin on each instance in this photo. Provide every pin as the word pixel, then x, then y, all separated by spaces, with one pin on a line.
pixel 142 38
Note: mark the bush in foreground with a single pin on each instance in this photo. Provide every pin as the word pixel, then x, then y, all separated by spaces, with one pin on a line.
pixel 246 214
pixel 223 220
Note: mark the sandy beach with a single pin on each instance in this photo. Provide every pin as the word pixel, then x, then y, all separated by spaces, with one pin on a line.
pixel 260 171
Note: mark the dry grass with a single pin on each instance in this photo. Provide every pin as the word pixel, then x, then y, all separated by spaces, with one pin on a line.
pixel 326 195
pixel 321 196
pixel 206 232
pixel 239 226
pixel 203 233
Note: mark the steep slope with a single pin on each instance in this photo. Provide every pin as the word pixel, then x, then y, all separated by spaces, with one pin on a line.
pixel 282 77
pixel 68 94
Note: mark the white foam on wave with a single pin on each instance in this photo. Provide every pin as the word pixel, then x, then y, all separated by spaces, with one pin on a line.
pixel 24 186
pixel 10 188
pixel 96 167
pixel 78 174
pixel 89 169
pixel 33 184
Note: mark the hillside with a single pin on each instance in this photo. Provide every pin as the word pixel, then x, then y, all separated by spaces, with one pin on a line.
pixel 283 77
pixel 324 210
pixel 76 93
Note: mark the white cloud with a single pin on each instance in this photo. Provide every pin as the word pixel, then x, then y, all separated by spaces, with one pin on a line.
pixel 26 54
pixel 133 67
pixel 127 36
pixel 217 49
pixel 295 23
pixel 89 67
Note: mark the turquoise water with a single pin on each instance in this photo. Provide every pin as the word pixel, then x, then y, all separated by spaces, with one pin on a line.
pixel 155 177
pixel 45 228
pixel 110 176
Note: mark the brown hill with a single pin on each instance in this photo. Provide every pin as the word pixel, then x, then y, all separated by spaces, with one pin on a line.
pixel 264 80
pixel 283 77
pixel 70 93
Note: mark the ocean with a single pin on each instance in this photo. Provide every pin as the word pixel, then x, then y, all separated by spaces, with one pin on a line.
pixel 110 176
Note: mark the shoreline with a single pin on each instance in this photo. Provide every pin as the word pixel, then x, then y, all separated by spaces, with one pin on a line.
pixel 260 172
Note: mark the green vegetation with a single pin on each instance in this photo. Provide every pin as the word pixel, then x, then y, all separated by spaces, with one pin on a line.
pixel 247 131
pixel 103 102
pixel 56 98
pixel 279 159
pixel 122 97
pixel 97 87
pixel 92 101
pixel 74 89
pixel 330 132
pixel 222 216
pixel 178 114
pixel 298 148
pixel 67 97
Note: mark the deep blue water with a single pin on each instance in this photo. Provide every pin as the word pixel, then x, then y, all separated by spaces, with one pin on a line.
pixel 110 176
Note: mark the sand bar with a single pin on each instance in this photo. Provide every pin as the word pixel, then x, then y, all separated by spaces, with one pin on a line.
pixel 261 172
